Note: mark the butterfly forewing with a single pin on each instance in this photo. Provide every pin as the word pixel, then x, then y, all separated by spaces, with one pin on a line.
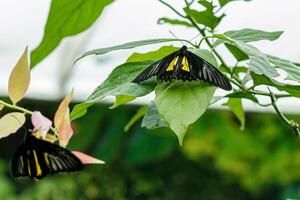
pixel 37 158
pixel 156 68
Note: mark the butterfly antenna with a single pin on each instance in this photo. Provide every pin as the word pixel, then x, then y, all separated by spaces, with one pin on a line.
pixel 176 37
pixel 195 37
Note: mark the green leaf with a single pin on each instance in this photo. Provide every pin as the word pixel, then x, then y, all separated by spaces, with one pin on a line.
pixel 119 82
pixel 152 55
pixel 122 99
pixel 152 118
pixel 260 66
pixel 259 62
pixel 206 55
pixel 128 45
pixel 206 17
pixel 253 35
pixel 245 95
pixel 66 18
pixel 235 104
pixel 138 115
pixel 181 104
pixel 237 53
pixel 165 20
pixel 294 90
pixel 80 110
pixel 292 70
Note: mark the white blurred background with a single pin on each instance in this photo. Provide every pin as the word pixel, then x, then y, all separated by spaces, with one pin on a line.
pixel 22 23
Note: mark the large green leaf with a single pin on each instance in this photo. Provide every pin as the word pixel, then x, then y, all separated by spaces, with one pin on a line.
pixel 260 66
pixel 152 118
pixel 237 53
pixel 235 104
pixel 152 55
pixel 292 70
pixel 128 45
pixel 182 103
pixel 119 82
pixel 165 20
pixel 253 35
pixel 259 62
pixel 66 18
pixel 206 17
pixel 294 90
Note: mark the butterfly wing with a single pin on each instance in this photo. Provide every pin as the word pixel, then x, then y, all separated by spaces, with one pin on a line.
pixel 203 70
pixel 37 158
pixel 155 69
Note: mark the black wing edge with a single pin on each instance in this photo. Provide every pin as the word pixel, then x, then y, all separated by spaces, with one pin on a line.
pixel 203 70
pixel 155 69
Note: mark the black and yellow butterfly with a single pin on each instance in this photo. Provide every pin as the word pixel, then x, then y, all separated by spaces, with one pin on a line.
pixel 37 158
pixel 186 66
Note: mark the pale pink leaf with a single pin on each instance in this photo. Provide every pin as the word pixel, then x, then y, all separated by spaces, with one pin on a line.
pixel 40 123
pixel 62 121
pixel 86 159
pixel 19 79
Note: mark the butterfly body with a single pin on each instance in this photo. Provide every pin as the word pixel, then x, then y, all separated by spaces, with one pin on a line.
pixel 186 66
pixel 37 158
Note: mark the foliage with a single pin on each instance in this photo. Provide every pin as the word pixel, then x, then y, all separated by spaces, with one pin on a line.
pixel 253 68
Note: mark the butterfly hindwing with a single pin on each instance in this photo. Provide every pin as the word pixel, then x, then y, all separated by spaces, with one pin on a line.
pixel 203 70
pixel 37 158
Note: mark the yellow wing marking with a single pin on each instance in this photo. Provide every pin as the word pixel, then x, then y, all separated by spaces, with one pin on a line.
pixel 172 64
pixel 37 165
pixel 29 170
pixel 185 64
pixel 47 160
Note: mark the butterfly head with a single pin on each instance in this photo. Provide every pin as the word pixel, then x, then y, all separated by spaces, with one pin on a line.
pixel 183 50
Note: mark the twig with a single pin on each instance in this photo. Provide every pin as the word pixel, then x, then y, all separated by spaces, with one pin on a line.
pixel 294 125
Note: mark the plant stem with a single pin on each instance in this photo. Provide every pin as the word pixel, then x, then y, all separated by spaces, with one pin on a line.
pixel 168 5
pixel 15 107
pixel 294 125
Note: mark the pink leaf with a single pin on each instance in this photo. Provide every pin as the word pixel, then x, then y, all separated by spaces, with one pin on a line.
pixel 62 121
pixel 40 123
pixel 86 159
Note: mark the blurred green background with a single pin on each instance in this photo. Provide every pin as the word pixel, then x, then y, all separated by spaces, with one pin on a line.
pixel 217 160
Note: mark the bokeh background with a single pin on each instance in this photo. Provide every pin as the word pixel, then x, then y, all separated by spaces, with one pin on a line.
pixel 217 159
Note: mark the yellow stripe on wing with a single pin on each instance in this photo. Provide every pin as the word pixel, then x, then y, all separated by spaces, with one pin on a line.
pixel 37 165
pixel 172 64
pixel 185 64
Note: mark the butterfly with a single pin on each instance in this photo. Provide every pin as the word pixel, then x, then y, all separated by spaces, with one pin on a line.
pixel 186 66
pixel 37 158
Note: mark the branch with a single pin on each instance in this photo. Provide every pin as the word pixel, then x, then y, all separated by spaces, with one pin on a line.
pixel 294 125
pixel 28 112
